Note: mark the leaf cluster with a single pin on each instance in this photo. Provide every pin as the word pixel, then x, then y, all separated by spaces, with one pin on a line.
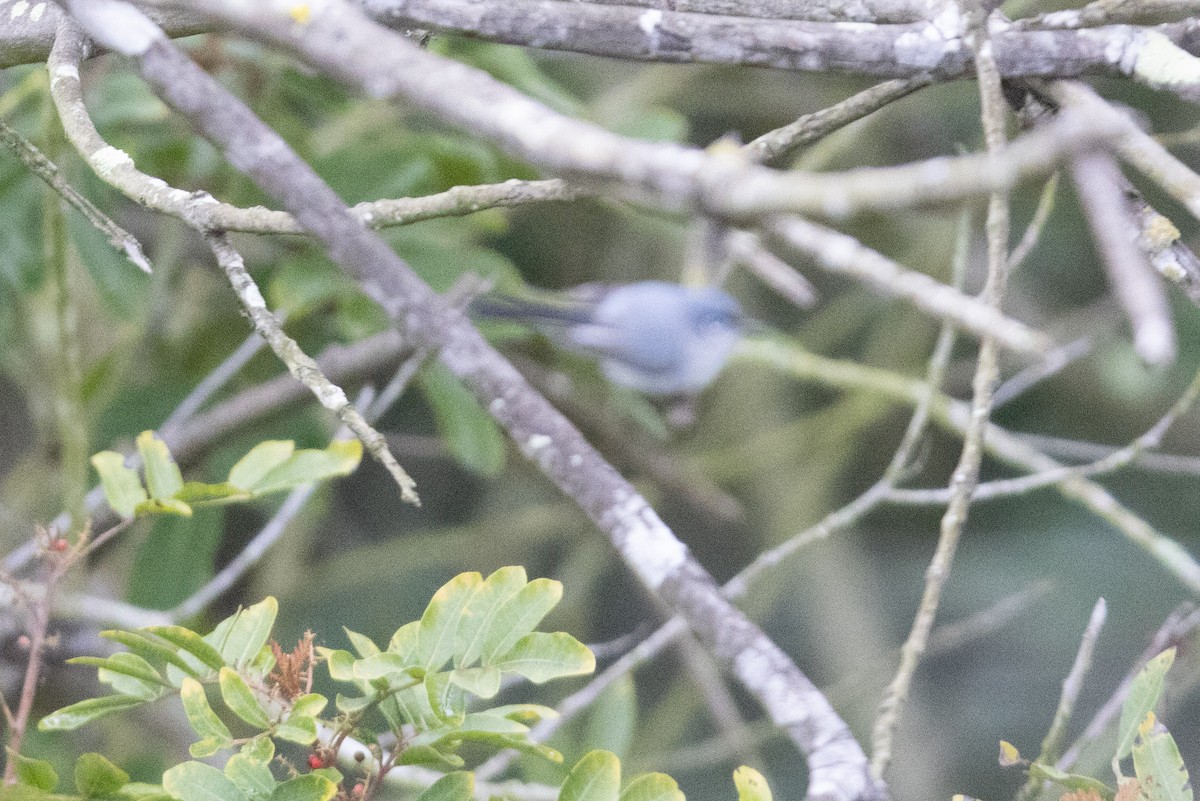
pixel 1159 773
pixel 271 466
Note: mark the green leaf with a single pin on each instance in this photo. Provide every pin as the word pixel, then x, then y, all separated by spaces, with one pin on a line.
pixel 404 642
pixel 241 700
pixel 351 704
pixel 333 774
pixel 264 457
pixel 529 714
pixel 429 756
pixel 126 673
pixel 309 787
pixel 447 701
pixel 163 478
pixel 311 705
pixel 1158 765
pixel 175 559
pixel 198 493
pixel 189 642
pixel 472 436
pixel 482 682
pixel 36 773
pixel 480 612
pixel 439 623
pixel 341 663
pixel 72 717
pixel 95 776
pixel 751 785
pixel 520 615
pixel 213 732
pixel 339 458
pixel 541 656
pixel 362 643
pixel 596 777
pixel 195 781
pixel 652 787
pixel 384 665
pixel 1143 697
pixel 259 749
pixel 251 776
pixel 124 288
pixel 1072 781
pixel 612 719
pixel 122 487
pixel 163 506
pixel 140 791
pixel 300 729
pixel 246 633
pixel 457 786
pixel 147 648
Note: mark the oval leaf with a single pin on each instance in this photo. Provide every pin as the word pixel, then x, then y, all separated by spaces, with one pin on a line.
pixel 542 656
pixel 241 700
pixel 264 457
pixel 751 785
pixel 202 718
pixel 194 781
pixel 163 478
pixel 310 787
pixel 122 487
pixel 652 787
pixel 1158 765
pixel 95 776
pixel 457 786
pixel 596 777
pixel 1143 698
pixel 75 715
pixel 37 773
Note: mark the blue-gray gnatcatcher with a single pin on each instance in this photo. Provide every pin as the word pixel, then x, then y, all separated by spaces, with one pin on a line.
pixel 652 336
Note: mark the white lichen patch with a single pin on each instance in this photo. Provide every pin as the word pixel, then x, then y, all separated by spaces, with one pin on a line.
pixel 36 13
pixel 19 8
pixel 64 72
pixel 647 543
pixel 537 442
pixel 650 21
pixel 1160 62
pixel 109 158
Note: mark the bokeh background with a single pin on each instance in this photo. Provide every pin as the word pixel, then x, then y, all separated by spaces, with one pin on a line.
pixel 765 457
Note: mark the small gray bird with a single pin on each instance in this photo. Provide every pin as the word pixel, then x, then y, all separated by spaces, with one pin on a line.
pixel 652 336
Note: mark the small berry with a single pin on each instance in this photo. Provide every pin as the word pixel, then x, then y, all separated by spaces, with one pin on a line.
pixel 315 762
pixel 359 789
pixel 58 544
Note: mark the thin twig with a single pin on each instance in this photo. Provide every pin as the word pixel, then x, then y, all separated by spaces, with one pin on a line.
pixel 303 367
pixel 1179 625
pixel 966 474
pixel 1136 286
pixel 1111 461
pixel 1072 685
pixel 48 171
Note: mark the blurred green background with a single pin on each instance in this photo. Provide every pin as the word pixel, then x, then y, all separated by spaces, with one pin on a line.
pixel 782 452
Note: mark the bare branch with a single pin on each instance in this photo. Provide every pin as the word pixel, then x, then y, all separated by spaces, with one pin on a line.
pixel 1135 284
pixel 648 546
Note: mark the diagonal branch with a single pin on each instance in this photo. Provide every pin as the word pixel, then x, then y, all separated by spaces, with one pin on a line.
pixel 649 547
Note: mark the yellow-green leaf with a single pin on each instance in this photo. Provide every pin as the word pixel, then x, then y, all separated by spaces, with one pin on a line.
pixel 122 487
pixel 1158 765
pixel 751 785
pixel 240 699
pixel 163 478
pixel 596 777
